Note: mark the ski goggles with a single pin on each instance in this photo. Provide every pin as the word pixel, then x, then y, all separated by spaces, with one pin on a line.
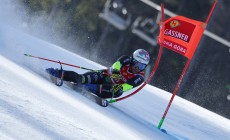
pixel 138 65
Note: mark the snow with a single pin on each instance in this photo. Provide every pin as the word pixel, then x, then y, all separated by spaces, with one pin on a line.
pixel 31 107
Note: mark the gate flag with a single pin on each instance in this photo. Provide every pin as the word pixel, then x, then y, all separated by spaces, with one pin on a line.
pixel 181 35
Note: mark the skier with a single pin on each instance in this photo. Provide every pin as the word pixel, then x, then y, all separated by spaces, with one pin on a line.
pixel 125 74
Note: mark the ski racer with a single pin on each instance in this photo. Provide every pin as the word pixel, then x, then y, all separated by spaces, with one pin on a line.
pixel 125 74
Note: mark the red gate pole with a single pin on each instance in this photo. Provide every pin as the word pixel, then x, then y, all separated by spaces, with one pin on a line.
pixel 174 93
pixel 211 11
pixel 182 75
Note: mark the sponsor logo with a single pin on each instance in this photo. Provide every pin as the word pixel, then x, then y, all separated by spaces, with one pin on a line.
pixel 137 80
pixel 179 29
pixel 95 76
pixel 124 73
pixel 176 34
pixel 144 55
pixel 174 23
pixel 142 58
pixel 175 47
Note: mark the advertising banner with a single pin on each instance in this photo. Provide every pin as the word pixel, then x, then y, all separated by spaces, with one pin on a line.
pixel 181 35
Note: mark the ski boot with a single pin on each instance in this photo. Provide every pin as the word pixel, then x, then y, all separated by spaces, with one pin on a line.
pixel 53 72
pixel 56 76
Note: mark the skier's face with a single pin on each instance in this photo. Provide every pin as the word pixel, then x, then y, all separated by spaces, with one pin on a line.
pixel 135 69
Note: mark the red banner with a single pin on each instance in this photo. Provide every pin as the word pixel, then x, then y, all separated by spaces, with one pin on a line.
pixel 181 35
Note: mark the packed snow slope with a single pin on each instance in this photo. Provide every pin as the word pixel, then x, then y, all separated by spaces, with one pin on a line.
pixel 31 107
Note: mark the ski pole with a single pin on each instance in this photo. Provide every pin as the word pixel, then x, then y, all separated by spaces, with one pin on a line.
pixel 60 62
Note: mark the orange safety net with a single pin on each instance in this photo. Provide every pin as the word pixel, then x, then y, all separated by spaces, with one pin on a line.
pixel 181 35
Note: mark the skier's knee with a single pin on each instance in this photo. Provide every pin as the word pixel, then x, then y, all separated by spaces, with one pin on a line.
pixel 118 93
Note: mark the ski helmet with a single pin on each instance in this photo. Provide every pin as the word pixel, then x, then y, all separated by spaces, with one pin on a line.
pixel 140 58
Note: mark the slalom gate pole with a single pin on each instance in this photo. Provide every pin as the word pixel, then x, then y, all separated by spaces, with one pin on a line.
pixel 153 71
pixel 59 62
pixel 174 93
pixel 211 11
pixel 183 73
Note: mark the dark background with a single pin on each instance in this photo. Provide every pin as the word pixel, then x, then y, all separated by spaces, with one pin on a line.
pixel 76 26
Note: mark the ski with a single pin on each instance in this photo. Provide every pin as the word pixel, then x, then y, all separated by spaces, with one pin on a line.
pixel 80 89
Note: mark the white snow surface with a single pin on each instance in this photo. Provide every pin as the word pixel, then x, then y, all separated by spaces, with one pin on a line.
pixel 31 107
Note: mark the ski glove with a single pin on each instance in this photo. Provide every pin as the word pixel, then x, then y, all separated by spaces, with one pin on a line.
pixel 116 75
pixel 117 88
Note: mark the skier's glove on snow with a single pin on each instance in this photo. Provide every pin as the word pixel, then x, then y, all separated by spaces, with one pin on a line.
pixel 117 88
